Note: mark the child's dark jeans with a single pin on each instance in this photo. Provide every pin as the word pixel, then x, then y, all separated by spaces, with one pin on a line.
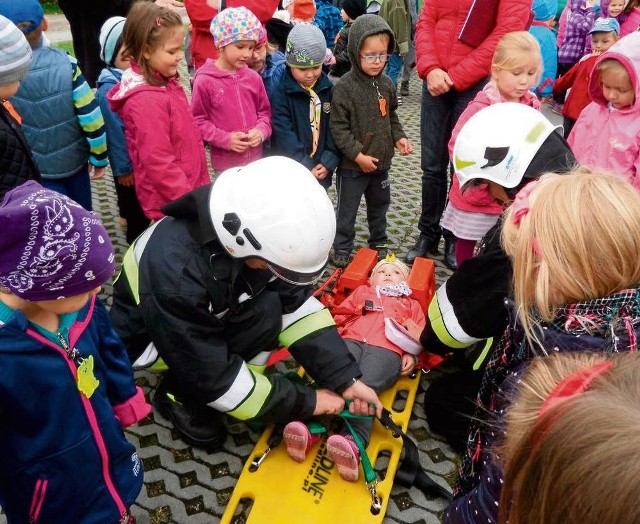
pixel 376 188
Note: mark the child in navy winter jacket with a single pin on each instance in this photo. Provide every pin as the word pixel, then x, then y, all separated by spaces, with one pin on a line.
pixel 66 387
pixel 113 54
pixel 301 106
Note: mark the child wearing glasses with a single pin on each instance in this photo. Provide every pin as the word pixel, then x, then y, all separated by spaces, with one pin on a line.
pixel 301 105
pixel 366 128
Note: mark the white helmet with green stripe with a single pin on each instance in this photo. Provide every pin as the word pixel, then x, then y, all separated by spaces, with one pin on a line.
pixel 499 142
pixel 275 210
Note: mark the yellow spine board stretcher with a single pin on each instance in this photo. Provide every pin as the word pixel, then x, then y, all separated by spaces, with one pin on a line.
pixel 283 491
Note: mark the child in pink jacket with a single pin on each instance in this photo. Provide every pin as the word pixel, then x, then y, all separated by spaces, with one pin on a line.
pixel 607 133
pixel 230 102
pixel 632 19
pixel 516 67
pixel 163 141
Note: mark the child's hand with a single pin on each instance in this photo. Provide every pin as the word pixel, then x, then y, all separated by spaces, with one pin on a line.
pixel 125 180
pixel 98 172
pixel 328 403
pixel 408 364
pixel 320 172
pixel 254 137
pixel 239 142
pixel 404 146
pixel 367 163
pixel 414 329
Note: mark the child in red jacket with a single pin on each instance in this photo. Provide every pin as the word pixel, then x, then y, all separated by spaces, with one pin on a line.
pixel 368 321
pixel 604 34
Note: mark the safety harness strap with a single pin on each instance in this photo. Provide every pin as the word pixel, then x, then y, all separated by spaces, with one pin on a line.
pixel 410 472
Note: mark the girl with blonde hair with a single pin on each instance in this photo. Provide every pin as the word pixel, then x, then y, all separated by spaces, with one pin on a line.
pixel 574 422
pixel 516 67
pixel 573 241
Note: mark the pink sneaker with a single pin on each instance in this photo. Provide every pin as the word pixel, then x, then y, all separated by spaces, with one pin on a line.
pixel 299 440
pixel 344 452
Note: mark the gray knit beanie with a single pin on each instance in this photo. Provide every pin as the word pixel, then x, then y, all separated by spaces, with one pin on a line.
pixel 15 53
pixel 306 46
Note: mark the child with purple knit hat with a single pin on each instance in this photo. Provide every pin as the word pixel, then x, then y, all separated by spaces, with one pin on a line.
pixel 66 387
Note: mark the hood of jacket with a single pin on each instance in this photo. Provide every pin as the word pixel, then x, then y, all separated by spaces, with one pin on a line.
pixel 109 75
pixel 363 27
pixel 627 52
pixel 194 208
pixel 211 69
pixel 131 82
pixel 493 96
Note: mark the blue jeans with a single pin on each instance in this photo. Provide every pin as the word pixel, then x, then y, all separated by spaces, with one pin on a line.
pixel 394 66
pixel 77 187
pixel 438 117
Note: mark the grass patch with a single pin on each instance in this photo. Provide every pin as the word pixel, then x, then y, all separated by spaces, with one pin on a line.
pixel 65 46
pixel 50 7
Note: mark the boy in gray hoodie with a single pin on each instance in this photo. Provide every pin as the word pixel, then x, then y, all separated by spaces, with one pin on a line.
pixel 365 126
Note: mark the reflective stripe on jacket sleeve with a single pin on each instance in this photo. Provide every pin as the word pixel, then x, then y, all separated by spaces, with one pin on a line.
pixel 246 396
pixel 132 258
pixel 312 316
pixel 444 322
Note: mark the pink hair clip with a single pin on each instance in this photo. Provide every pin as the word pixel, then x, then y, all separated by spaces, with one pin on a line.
pixel 521 207
pixel 158 22
pixel 573 385
pixel 521 203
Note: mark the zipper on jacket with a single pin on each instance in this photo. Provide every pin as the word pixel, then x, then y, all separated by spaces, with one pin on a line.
pixel 37 500
pixel 74 356
pixel 72 353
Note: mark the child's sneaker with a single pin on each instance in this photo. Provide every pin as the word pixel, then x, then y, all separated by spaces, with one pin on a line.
pixel 344 452
pixel 299 440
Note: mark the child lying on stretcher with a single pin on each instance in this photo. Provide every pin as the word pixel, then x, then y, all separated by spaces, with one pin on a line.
pixel 371 321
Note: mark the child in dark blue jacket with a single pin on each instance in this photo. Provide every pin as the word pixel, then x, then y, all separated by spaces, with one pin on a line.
pixel 113 54
pixel 301 105
pixel 66 386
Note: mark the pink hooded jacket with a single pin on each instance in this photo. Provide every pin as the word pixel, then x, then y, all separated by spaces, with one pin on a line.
pixel 478 199
pixel 226 101
pixel 631 23
pixel 606 139
pixel 163 141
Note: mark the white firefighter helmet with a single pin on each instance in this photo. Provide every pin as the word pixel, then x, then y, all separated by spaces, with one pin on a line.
pixel 275 210
pixel 499 142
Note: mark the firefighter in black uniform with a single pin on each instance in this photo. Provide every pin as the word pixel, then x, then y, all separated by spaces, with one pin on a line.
pixel 226 277
pixel 507 146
